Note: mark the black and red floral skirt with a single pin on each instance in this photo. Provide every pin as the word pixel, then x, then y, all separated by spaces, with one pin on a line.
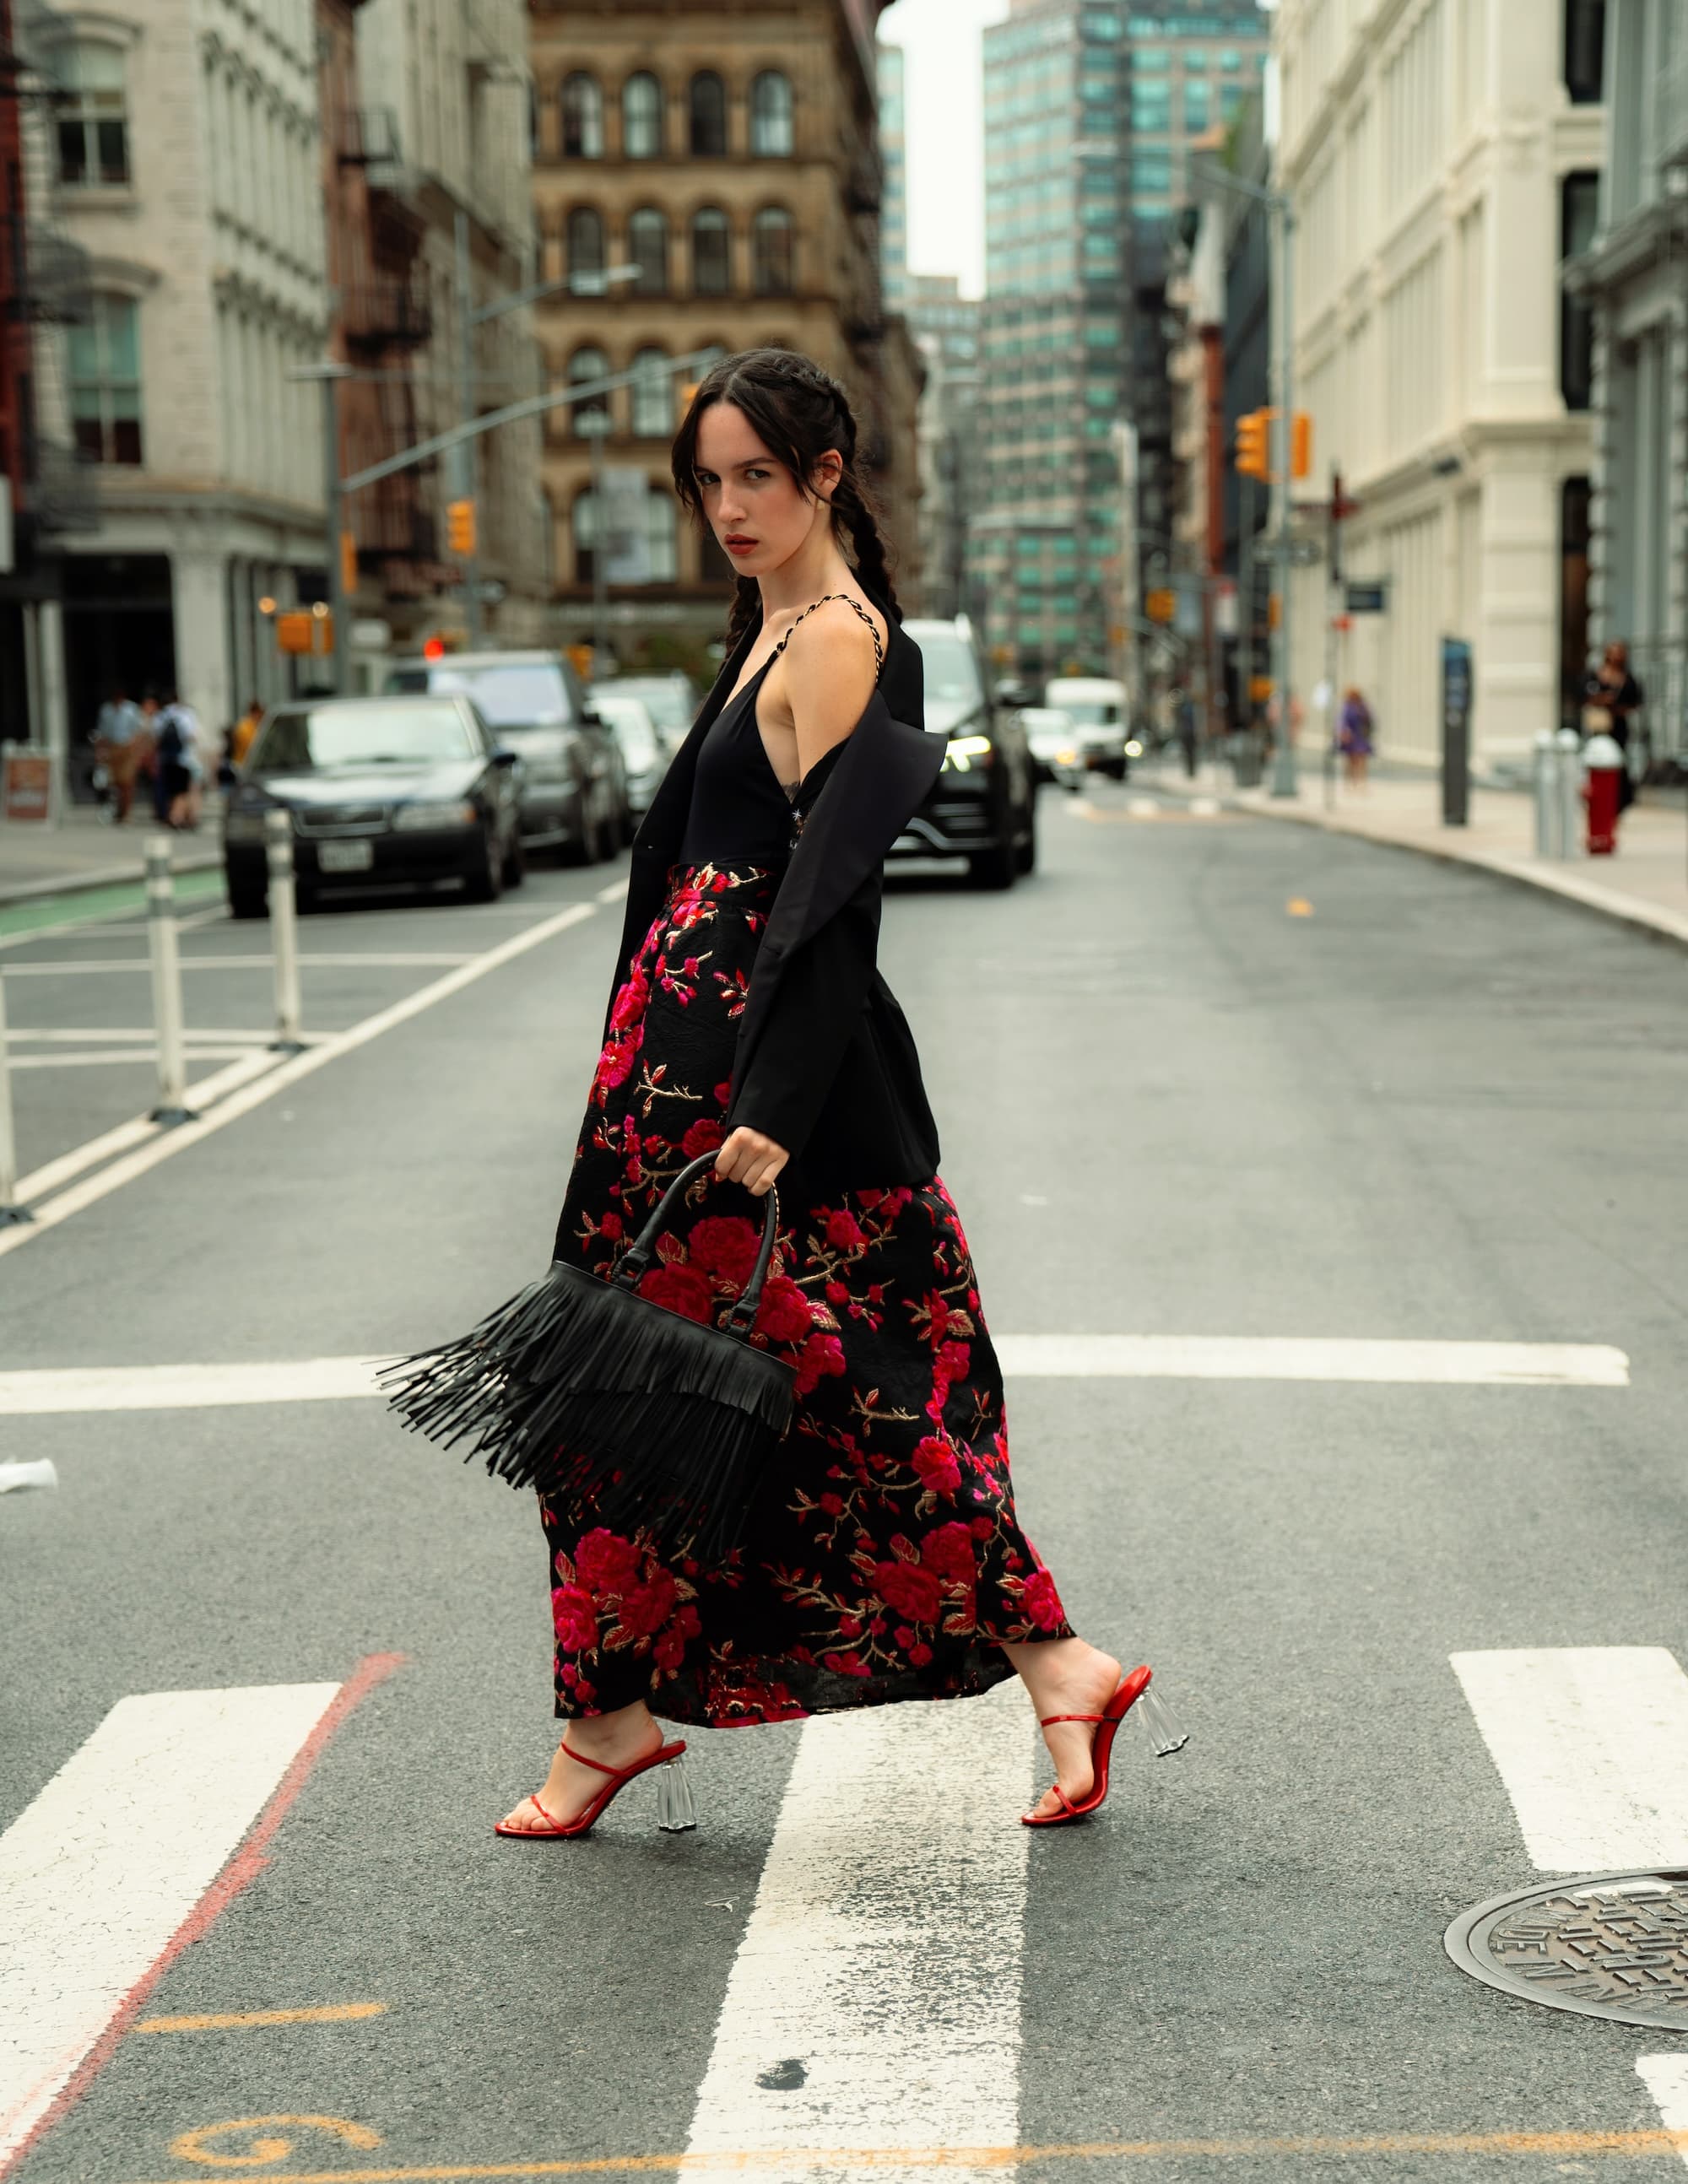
pixel 883 1560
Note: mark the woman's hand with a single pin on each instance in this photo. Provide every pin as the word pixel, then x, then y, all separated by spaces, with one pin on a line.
pixel 749 1158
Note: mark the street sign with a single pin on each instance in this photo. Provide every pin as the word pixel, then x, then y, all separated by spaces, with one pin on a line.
pixel 28 785
pixel 1367 599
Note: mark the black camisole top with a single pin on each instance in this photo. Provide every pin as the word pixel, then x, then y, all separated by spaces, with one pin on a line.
pixel 740 813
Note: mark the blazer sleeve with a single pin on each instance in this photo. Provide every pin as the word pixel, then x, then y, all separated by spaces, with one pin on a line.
pixel 818 1004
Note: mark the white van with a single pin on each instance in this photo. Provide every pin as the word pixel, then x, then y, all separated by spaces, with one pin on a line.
pixel 1098 710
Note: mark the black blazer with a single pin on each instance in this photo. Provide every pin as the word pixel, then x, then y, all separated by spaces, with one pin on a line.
pixel 825 1065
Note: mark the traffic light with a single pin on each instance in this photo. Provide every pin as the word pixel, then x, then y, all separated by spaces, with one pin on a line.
pixel 348 563
pixel 1300 444
pixel 1161 606
pixel 1254 452
pixel 459 527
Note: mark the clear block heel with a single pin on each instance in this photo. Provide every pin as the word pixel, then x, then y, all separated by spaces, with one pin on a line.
pixel 1161 1725
pixel 675 1812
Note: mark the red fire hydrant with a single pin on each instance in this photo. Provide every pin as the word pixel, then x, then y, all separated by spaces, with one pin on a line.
pixel 1603 772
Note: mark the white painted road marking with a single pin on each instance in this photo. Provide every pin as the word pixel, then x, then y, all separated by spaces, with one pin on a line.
pixel 1295 1358
pixel 875 1998
pixel 80 1195
pixel 1666 2078
pixel 202 1094
pixel 126 1058
pixel 40 1390
pixel 97 1875
pixel 1592 1742
pixel 433 956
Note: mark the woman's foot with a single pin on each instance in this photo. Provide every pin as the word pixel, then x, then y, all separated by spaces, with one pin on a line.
pixel 1065 1675
pixel 621 1738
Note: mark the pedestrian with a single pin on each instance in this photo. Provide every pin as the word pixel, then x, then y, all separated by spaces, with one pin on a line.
pixel 181 770
pixel 882 1559
pixel 244 729
pixel 152 765
pixel 1183 713
pixel 1612 698
pixel 1354 735
pixel 119 732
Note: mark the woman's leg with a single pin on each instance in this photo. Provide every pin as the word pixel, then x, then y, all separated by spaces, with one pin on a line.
pixel 1067 1675
pixel 614 1740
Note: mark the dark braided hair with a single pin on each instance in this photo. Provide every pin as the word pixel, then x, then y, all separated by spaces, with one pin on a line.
pixel 801 412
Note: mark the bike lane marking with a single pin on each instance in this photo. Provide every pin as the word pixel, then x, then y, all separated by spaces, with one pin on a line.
pixel 129 1854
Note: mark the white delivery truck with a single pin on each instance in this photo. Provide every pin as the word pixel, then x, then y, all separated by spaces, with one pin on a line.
pixel 1101 718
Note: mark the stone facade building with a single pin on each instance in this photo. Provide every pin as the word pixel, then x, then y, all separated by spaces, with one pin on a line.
pixel 706 178
pixel 1436 151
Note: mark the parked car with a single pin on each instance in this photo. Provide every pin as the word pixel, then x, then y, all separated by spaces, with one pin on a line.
pixel 984 805
pixel 670 699
pixel 643 753
pixel 1056 753
pixel 382 792
pixel 575 791
pixel 1100 715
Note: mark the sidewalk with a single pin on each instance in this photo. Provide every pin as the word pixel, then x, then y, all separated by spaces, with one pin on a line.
pixel 84 852
pixel 1645 883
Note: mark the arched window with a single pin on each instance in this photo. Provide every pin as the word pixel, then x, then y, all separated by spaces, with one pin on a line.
pixel 662 535
pixel 92 117
pixel 711 253
pixel 642 117
pixel 771 248
pixel 588 363
pixel 583 103
pixel 586 247
pixel 647 247
pixel 709 116
pixel 585 527
pixel 652 394
pixel 770 137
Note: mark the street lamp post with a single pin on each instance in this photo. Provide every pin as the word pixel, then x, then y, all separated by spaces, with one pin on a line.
pixel 596 425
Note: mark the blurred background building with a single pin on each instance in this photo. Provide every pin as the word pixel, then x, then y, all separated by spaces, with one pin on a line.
pixel 945 327
pixel 706 177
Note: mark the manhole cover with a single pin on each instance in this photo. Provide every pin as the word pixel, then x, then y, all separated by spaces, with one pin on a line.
pixel 1614 1944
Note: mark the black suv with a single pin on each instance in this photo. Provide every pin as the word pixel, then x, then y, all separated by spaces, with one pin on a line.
pixel 984 805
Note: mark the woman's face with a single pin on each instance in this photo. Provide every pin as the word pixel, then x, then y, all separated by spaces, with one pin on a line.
pixel 752 503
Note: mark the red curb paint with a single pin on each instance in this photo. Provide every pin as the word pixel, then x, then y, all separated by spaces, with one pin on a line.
pixel 242 1867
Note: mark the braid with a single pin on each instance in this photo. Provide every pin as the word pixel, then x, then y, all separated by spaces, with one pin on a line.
pixel 852 509
pixel 747 598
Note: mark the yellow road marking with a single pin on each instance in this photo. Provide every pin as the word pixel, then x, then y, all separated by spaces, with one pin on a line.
pixel 1557 2144
pixel 1299 906
pixel 191 2145
pixel 334 2013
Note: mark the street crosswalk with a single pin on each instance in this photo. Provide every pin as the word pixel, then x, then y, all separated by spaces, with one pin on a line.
pixel 870 2024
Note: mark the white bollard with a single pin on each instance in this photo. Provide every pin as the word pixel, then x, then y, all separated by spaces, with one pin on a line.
pixel 284 930
pixel 172 1108
pixel 11 1213
pixel 1570 826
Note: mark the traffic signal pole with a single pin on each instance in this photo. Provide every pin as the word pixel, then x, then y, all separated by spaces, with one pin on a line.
pixel 1284 748
pixel 463 455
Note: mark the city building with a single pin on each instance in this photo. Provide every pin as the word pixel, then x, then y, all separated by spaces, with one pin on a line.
pixel 1440 158
pixel 1627 323
pixel 946 327
pixel 893 213
pixel 707 178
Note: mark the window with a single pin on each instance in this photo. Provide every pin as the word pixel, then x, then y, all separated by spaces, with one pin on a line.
pixel 1151 105
pixel 1230 101
pixel 585 526
pixel 772 243
pixel 1151 174
pixel 770 130
pixel 586 247
pixel 1150 60
pixel 653 395
pixel 642 117
pixel 709 116
pixel 1578 209
pixel 105 381
pixel 1584 50
pixel 711 253
pixel 1230 60
pixel 662 537
pixel 1197 106
pixel 588 363
pixel 93 124
pixel 647 246
pixel 582 106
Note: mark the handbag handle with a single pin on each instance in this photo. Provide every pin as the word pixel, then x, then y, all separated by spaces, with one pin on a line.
pixel 638 1256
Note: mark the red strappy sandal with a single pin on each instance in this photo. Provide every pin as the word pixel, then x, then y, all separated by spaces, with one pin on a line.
pixel 674 1809
pixel 1159 1722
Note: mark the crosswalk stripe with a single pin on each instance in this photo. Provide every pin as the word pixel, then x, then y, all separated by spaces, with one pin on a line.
pixel 1592 1742
pixel 1666 2078
pixel 38 1391
pixel 875 1998
pixel 100 1872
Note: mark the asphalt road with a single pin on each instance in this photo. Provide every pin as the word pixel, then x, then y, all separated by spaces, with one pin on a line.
pixel 1200 1076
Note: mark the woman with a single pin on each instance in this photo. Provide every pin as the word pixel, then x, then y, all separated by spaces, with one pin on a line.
pixel 1354 736
pixel 1612 698
pixel 885 1562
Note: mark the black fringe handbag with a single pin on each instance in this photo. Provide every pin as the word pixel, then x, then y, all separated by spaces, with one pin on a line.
pixel 590 1392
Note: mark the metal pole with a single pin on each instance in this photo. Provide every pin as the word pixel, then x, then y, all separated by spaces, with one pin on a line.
pixel 284 930
pixel 334 518
pixel 1570 791
pixel 463 455
pixel 1283 755
pixel 172 1108
pixel 11 1213
pixel 601 562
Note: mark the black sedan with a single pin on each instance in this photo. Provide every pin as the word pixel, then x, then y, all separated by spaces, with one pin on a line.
pixel 984 805
pixel 382 792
